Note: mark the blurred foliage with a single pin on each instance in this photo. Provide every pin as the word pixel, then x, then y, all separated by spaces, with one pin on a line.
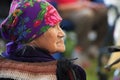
pixel 70 42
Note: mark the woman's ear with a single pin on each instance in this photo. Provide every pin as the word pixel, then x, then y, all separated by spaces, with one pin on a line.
pixel 32 43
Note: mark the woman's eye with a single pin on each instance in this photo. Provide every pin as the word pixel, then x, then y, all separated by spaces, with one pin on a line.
pixel 61 26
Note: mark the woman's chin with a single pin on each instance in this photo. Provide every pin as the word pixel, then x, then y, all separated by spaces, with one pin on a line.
pixel 57 48
pixel 61 49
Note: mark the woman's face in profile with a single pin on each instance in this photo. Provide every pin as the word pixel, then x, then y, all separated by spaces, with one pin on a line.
pixel 52 40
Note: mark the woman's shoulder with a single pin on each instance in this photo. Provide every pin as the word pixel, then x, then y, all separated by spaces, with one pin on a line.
pixel 14 69
pixel 66 69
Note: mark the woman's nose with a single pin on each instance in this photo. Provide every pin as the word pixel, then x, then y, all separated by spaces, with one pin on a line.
pixel 61 33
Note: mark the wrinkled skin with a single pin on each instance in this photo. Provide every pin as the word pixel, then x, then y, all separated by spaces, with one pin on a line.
pixel 52 40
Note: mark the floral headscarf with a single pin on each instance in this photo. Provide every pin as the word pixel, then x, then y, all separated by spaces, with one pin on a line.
pixel 28 19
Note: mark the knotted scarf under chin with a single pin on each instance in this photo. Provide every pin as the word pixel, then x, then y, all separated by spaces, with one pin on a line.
pixel 11 48
pixel 26 53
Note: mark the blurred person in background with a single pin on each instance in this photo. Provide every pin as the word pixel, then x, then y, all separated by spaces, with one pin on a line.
pixel 114 30
pixel 89 17
pixel 32 30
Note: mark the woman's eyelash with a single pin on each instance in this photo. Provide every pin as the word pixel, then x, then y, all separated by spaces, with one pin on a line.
pixel 62 26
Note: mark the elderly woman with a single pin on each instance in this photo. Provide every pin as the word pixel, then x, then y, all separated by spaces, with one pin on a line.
pixel 33 33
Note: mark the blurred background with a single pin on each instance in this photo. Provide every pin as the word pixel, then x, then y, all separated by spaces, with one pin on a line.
pixel 92 34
